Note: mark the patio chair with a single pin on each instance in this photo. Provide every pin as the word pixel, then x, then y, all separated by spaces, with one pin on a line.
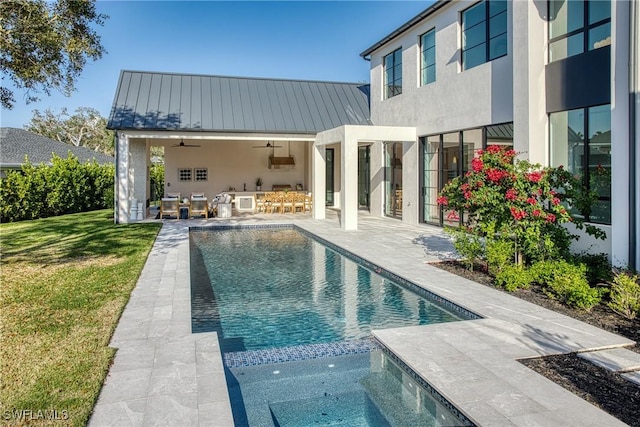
pixel 288 201
pixel 199 206
pixel 276 201
pixel 173 196
pixel 267 201
pixel 259 203
pixel 169 206
pixel 298 202
pixel 308 202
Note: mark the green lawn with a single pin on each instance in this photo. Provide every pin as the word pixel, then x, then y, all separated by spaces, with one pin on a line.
pixel 64 282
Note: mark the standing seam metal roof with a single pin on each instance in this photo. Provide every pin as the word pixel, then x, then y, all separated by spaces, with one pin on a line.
pixel 166 101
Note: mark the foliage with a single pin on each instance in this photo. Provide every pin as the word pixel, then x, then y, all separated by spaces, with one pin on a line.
pixel 156 172
pixel 65 187
pixel 512 277
pixel 499 254
pixel 567 282
pixel 467 244
pixel 519 201
pixel 45 45
pixel 84 128
pixel 598 267
pixel 65 281
pixel 625 295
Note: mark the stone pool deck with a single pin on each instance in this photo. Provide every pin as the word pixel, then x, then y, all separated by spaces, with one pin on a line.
pixel 165 375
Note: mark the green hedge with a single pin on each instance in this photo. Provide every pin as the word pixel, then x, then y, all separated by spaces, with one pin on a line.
pixel 68 186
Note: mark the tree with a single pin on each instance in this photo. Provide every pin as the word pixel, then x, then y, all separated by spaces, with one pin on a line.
pixel 45 45
pixel 86 127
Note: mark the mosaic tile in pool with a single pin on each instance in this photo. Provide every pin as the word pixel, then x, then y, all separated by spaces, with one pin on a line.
pixel 366 389
pixel 264 288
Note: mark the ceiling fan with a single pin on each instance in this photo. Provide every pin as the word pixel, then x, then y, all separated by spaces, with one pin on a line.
pixel 182 144
pixel 267 145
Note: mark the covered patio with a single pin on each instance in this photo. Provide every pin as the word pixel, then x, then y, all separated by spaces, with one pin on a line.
pixel 220 134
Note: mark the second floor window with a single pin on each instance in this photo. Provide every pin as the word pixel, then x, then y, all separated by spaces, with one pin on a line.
pixel 484 33
pixel 393 74
pixel 428 57
pixel 578 26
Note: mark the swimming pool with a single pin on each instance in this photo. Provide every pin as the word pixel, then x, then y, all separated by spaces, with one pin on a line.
pixel 276 295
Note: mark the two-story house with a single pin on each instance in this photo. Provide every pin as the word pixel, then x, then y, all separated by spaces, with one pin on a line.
pixel 557 80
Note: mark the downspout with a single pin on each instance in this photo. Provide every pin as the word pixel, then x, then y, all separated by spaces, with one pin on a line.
pixel 633 94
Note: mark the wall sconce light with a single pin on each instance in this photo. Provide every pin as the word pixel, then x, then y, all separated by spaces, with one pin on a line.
pixel 454 160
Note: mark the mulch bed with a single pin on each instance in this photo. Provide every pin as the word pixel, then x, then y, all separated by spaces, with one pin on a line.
pixel 604 389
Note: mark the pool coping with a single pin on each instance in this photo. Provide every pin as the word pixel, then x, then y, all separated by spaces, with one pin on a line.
pixel 164 374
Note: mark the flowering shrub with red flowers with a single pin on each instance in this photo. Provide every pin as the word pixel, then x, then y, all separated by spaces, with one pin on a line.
pixel 516 201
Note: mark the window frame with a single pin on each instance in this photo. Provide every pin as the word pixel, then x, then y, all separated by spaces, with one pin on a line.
pixel 182 174
pixel 423 57
pixel 586 157
pixel 392 90
pixel 203 172
pixel 585 29
pixel 487 32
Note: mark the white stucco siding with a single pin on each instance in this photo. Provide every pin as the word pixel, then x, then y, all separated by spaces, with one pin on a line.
pixel 529 110
pixel 457 99
pixel 138 170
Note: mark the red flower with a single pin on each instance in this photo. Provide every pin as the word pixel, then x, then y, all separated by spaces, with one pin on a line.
pixel 495 175
pixel 477 164
pixel 442 200
pixel 518 214
pixel 532 201
pixel 511 194
pixel 534 176
pixel 465 186
pixel 494 149
pixel 510 153
pixel 555 201
pixel 480 152
pixel 453 216
pixel 467 195
pixel 551 218
pixel 537 212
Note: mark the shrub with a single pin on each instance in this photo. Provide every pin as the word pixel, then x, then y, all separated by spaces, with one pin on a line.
pixel 567 282
pixel 598 267
pixel 516 200
pixel 512 277
pixel 625 295
pixel 156 174
pixel 468 245
pixel 499 254
pixel 65 187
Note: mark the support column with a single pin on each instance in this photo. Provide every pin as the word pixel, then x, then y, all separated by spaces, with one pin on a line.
pixel 349 193
pixel 122 180
pixel 318 181
pixel 620 89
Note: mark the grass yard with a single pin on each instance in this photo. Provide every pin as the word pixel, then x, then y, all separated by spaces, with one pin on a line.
pixel 64 282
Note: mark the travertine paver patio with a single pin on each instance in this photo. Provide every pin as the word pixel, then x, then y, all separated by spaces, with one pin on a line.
pixel 164 375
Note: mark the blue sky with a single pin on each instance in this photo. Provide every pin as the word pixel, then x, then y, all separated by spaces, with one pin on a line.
pixel 308 40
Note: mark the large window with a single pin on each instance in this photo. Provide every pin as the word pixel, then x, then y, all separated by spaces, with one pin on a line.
pixel 449 155
pixel 393 74
pixel 484 33
pixel 428 57
pixel 578 26
pixel 581 142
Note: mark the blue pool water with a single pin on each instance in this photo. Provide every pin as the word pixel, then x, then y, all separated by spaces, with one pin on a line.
pixel 294 318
